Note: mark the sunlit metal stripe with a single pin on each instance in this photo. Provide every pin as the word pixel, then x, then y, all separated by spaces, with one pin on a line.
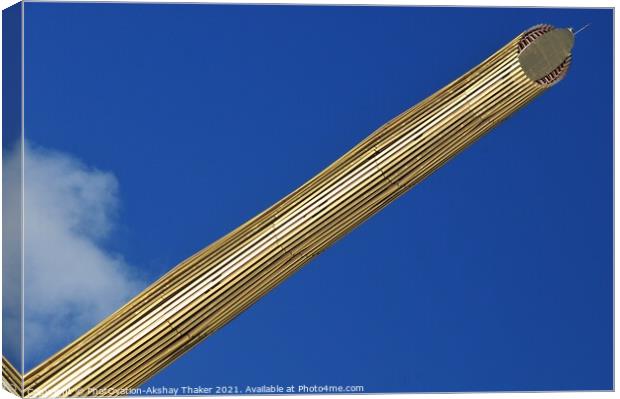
pixel 213 286
pixel 11 378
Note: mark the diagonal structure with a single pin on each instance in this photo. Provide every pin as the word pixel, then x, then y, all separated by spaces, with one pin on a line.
pixel 12 380
pixel 208 289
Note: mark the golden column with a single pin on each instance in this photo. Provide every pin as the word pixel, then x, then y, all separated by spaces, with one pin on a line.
pixel 210 288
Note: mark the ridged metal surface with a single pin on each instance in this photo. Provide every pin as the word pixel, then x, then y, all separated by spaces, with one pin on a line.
pixel 11 378
pixel 210 288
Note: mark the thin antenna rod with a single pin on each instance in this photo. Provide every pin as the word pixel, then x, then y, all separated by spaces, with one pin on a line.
pixel 584 27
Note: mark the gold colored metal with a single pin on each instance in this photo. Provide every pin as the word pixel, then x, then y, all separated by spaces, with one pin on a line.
pixel 11 378
pixel 546 53
pixel 207 290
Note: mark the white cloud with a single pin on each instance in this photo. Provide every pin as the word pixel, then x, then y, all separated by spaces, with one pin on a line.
pixel 11 257
pixel 71 280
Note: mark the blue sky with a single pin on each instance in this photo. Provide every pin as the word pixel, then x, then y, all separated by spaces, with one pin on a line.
pixel 180 122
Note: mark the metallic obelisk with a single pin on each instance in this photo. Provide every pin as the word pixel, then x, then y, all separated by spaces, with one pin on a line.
pixel 211 287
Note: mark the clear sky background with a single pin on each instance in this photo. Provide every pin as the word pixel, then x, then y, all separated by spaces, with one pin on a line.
pixel 155 129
